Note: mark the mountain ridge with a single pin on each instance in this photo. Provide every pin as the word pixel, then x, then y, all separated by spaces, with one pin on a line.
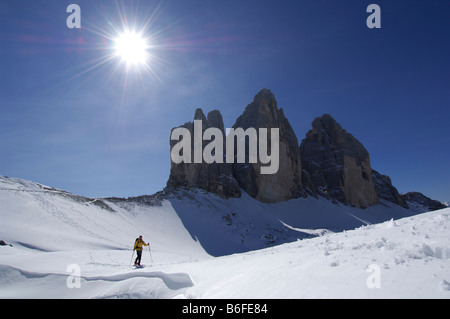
pixel 45 219
pixel 214 208
pixel 329 161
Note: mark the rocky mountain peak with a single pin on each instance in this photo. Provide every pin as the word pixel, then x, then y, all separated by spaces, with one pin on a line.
pixel 227 179
pixel 199 115
pixel 262 112
pixel 338 164
pixel 215 120
pixel 216 178
pixel 286 183
pixel 329 162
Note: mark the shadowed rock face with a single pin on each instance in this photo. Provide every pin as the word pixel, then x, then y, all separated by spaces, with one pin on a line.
pixel 286 183
pixel 227 179
pixel 216 178
pixel 329 162
pixel 419 198
pixel 386 190
pixel 338 164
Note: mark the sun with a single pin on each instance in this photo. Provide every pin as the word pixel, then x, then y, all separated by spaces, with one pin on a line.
pixel 132 48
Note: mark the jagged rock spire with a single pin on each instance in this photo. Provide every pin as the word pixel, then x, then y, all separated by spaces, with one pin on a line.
pixel 338 164
pixel 216 178
pixel 286 183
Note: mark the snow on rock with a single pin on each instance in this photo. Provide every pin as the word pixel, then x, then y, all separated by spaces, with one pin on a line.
pixel 17 283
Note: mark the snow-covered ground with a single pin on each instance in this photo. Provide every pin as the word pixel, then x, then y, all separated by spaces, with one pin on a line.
pixel 67 246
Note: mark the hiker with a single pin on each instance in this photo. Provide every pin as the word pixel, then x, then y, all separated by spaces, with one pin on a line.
pixel 138 247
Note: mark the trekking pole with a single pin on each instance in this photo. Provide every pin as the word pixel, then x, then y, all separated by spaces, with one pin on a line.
pixel 132 257
pixel 150 251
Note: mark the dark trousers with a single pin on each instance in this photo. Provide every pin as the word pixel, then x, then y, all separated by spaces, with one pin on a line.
pixel 139 256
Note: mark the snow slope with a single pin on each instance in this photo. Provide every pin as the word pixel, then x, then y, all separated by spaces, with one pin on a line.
pixel 204 247
pixel 411 257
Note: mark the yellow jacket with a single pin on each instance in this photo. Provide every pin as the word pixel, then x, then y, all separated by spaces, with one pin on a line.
pixel 138 244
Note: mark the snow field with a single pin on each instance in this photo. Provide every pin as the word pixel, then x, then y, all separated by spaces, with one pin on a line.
pixel 206 247
pixel 411 256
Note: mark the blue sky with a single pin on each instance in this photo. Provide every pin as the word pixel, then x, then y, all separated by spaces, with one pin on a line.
pixel 98 130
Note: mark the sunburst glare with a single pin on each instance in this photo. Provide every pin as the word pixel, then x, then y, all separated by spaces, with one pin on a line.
pixel 131 47
pixel 126 46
